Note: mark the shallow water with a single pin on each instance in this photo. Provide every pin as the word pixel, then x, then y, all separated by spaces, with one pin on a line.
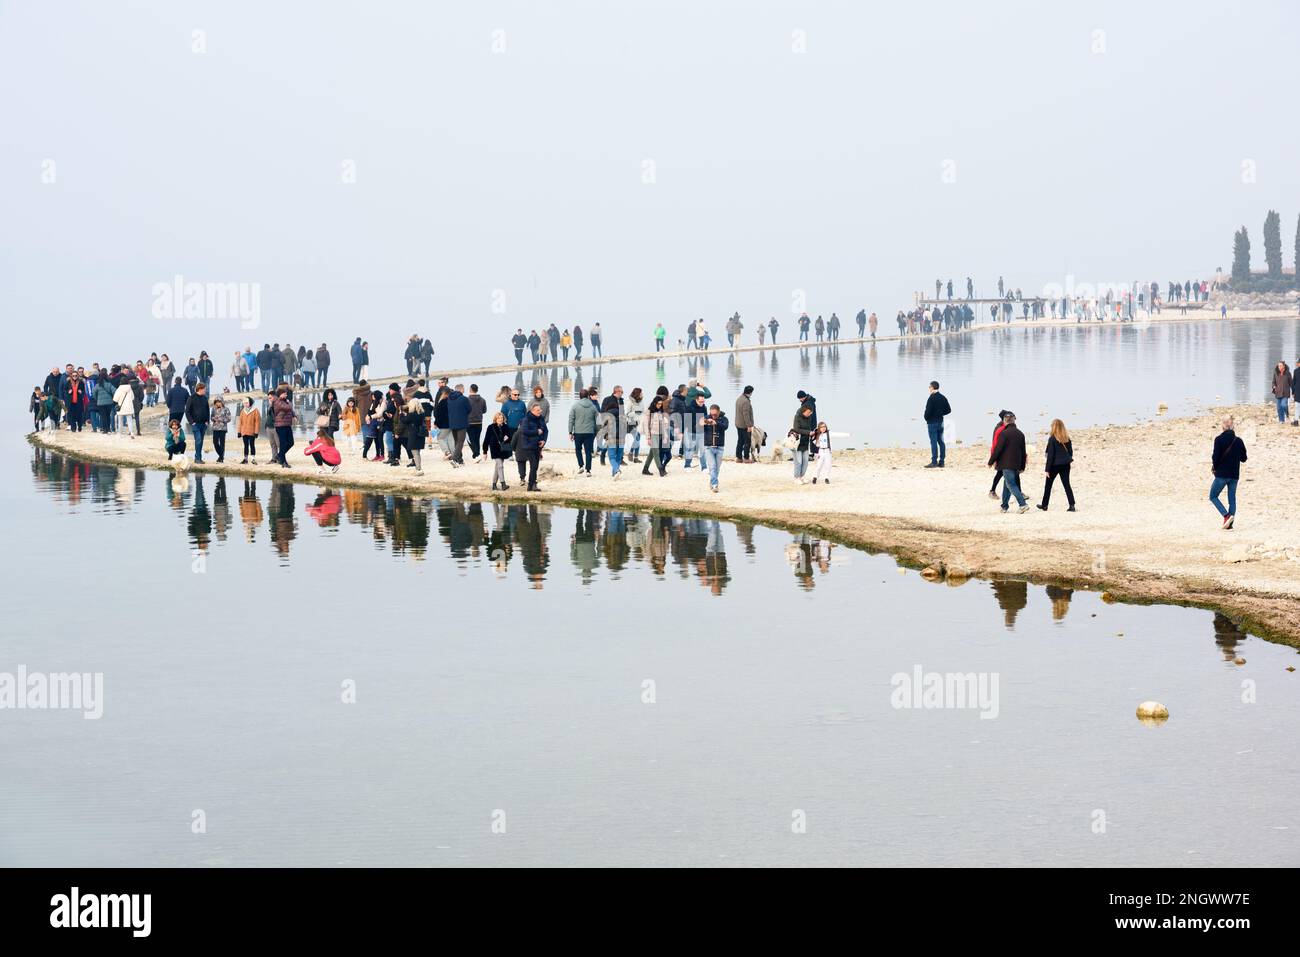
pixel 498 668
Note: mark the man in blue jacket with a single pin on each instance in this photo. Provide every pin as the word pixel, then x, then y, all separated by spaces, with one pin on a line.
pixel 358 360
pixel 177 399
pixel 458 422
pixel 514 410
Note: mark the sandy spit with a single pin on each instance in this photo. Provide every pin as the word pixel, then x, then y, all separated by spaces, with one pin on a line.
pixel 1145 530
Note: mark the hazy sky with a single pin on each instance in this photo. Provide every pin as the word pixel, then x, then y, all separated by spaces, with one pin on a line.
pixel 518 161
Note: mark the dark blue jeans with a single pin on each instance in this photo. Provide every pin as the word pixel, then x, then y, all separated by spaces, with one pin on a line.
pixel 1216 489
pixel 582 448
pixel 199 429
pixel 937 449
pixel 1010 487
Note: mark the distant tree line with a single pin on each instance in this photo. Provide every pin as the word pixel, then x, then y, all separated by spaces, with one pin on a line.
pixel 1272 279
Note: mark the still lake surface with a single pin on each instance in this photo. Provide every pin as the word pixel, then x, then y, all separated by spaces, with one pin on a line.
pixel 1087 374
pixel 500 656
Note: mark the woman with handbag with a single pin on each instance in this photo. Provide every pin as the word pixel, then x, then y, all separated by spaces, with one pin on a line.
pixel 497 443
pixel 328 412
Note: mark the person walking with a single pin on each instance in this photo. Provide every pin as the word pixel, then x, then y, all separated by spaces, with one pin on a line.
pixel 1225 465
pixel 936 407
pixel 872 323
pixel 514 410
pixel 350 422
pixel 282 417
pixel 804 323
pixel 519 342
pixel 1282 383
pixel 322 364
pixel 477 409
pixel 124 399
pixel 458 409
pixel 535 346
pixel 596 338
pixel 577 343
pixel 249 427
pixel 582 430
pixel 198 414
pixel 744 426
pixel 772 326
pixel 633 410
pixel 1060 453
pixel 658 436
pixel 329 412
pixel 413 435
pixel 801 432
pixel 372 426
pixel 1009 455
pixel 531 443
pixel 220 425
pixel 239 371
pixel 307 368
pixel 660 334
pixel 496 446
pixel 566 343
pixel 104 403
pixel 715 443
pixel 822 443
pixel 610 433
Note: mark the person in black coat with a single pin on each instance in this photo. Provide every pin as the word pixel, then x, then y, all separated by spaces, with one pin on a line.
pixel 198 414
pixel 1060 453
pixel 1225 463
pixel 519 342
pixel 1010 456
pixel 177 400
pixel 496 443
pixel 936 407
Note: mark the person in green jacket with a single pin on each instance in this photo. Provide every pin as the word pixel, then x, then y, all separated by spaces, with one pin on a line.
pixel 582 430
pixel 660 333
pixel 174 440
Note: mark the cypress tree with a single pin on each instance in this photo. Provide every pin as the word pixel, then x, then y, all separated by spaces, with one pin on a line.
pixel 1273 244
pixel 1241 256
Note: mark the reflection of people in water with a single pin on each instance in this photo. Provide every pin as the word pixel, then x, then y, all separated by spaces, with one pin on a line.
pixel 220 510
pixel 250 510
pixel 1012 596
pixel 280 509
pixel 1060 599
pixel 326 508
pixel 200 521
pixel 1227 635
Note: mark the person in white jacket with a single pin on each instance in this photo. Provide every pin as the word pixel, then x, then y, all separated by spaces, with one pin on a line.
pixel 124 398
pixel 822 442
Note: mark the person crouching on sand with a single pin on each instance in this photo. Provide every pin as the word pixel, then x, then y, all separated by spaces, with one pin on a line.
pixel 1225 464
pixel 323 451
pixel 174 440
pixel 822 440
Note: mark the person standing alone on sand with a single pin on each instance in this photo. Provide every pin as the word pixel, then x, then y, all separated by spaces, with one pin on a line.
pixel 1060 453
pixel 1225 464
pixel 936 407
pixel 1282 383
pixel 1010 456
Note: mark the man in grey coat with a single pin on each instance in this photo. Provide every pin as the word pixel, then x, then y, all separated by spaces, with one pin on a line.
pixel 744 423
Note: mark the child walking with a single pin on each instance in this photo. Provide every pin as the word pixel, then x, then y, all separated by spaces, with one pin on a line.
pixel 822 441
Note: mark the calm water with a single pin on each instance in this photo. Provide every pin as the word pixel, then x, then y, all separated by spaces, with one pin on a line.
pixel 500 655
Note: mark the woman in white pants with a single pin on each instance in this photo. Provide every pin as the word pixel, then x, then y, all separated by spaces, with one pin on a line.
pixel 822 440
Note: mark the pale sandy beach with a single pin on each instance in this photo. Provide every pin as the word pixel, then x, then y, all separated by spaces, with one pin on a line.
pixel 1144 530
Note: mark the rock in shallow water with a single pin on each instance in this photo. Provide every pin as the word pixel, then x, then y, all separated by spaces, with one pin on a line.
pixel 1152 711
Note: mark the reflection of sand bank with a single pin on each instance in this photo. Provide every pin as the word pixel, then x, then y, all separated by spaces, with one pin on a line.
pixel 1144 529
